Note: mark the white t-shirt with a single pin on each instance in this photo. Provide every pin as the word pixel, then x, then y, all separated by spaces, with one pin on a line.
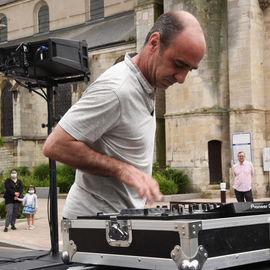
pixel 115 116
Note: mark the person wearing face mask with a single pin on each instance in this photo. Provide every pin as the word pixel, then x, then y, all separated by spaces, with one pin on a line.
pixel 14 189
pixel 30 203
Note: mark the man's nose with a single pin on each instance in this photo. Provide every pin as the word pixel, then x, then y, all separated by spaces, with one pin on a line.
pixel 181 76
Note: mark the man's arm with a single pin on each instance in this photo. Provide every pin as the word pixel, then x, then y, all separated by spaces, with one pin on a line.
pixel 62 147
pixel 252 169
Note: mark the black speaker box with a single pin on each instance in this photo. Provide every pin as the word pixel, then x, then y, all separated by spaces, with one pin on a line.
pixel 49 59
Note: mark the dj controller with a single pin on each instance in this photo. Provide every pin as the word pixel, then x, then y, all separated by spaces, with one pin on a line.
pixel 187 236
pixel 190 211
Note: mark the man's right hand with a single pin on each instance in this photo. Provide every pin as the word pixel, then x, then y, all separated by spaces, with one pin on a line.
pixel 144 184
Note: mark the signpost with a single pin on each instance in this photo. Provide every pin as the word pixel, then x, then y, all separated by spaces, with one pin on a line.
pixel 241 142
pixel 266 159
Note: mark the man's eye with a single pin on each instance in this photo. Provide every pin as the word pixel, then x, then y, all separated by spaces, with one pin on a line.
pixel 179 66
pixel 183 67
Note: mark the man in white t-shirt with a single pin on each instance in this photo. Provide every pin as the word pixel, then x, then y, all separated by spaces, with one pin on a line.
pixel 108 135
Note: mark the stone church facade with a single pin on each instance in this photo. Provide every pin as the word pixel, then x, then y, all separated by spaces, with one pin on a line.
pixel 229 94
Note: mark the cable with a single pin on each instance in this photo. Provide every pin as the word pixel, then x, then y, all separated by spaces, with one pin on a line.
pixel 21 259
pixel 43 95
pixel 41 49
pixel 49 214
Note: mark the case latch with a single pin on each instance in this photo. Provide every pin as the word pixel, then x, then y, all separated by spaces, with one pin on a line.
pixel 118 232
pixel 189 256
pixel 69 247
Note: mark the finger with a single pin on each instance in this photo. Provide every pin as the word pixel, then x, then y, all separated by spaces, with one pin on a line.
pixel 155 191
pixel 149 197
pixel 158 197
pixel 141 190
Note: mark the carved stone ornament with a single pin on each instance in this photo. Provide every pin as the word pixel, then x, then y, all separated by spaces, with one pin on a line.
pixel 264 4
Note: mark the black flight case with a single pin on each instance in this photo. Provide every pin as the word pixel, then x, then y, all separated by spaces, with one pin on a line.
pixel 197 237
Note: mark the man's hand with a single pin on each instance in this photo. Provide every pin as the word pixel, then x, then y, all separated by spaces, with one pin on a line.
pixel 145 185
pixel 17 194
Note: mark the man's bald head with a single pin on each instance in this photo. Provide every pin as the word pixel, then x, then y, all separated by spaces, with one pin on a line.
pixel 174 46
pixel 172 23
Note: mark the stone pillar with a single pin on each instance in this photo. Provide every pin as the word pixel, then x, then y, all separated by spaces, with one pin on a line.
pixel 246 80
pixel 265 5
pixel 147 11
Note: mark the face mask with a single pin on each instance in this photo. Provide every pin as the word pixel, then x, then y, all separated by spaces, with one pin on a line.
pixel 31 191
pixel 14 175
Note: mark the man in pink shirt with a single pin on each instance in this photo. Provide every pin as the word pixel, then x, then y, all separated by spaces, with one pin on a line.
pixel 242 172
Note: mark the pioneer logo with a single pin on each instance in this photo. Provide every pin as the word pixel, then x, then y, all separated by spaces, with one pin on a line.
pixel 260 206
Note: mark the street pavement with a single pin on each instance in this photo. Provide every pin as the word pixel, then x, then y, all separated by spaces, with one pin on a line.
pixel 39 238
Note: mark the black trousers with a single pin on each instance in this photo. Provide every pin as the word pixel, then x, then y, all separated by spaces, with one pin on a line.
pixel 241 196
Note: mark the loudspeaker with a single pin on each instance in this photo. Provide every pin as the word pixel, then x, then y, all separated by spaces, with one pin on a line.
pixel 47 60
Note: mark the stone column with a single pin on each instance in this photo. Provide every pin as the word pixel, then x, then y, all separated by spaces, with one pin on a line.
pixel 265 6
pixel 147 11
pixel 246 80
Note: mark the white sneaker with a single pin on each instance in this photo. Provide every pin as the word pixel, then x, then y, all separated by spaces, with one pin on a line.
pixel 32 227
pixel 27 227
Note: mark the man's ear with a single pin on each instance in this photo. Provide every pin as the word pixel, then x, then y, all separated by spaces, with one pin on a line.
pixel 154 41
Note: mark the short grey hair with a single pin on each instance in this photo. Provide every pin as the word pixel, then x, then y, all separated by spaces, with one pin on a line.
pixel 168 25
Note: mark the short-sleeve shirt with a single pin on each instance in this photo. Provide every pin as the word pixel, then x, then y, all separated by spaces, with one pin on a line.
pixel 115 116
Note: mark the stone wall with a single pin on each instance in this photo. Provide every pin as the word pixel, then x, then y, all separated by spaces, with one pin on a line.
pixel 6 157
pixel 23 19
pixel 187 137
pixel 197 111
pixel 146 14
pixel 101 60
pixel 18 152
pixel 29 112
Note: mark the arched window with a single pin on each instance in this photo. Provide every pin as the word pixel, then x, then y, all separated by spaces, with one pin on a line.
pixel 3 29
pixel 214 159
pixel 62 100
pixel 7 111
pixel 43 19
pixel 96 9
